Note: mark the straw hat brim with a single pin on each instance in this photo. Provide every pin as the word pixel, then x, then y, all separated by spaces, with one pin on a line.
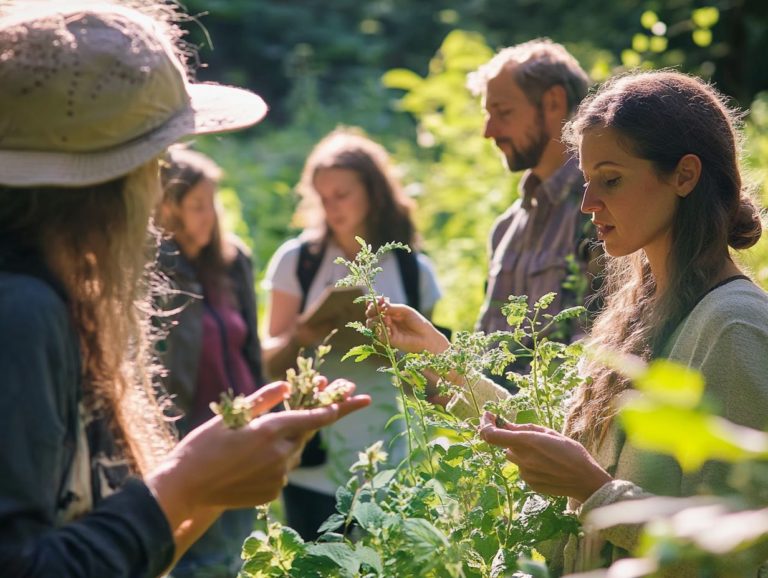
pixel 213 108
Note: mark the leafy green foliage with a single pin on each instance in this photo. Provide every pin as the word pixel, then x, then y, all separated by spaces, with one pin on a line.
pixel 455 507
pixel 704 535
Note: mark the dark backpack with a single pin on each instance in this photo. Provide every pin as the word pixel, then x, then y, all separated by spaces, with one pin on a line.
pixel 310 258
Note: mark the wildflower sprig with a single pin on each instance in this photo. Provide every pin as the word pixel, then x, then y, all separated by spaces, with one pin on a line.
pixel 235 411
pixel 306 382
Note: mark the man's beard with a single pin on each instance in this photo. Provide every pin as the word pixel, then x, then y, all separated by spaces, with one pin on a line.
pixel 530 156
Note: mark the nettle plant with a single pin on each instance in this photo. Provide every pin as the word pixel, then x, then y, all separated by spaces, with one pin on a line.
pixel 455 506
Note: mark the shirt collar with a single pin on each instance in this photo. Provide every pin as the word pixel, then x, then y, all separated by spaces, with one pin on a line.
pixel 556 188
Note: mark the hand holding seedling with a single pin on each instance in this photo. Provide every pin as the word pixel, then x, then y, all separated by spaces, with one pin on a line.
pixel 408 330
pixel 218 466
pixel 548 461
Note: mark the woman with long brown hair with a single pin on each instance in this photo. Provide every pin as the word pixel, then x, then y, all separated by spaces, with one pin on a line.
pixel 212 343
pixel 660 153
pixel 93 482
pixel 348 189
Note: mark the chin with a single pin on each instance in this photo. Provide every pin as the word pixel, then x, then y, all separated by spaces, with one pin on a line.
pixel 614 251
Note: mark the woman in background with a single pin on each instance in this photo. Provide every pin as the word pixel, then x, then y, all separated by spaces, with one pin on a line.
pixel 212 344
pixel 348 190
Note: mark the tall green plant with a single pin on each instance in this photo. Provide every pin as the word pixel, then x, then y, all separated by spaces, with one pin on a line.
pixel 454 507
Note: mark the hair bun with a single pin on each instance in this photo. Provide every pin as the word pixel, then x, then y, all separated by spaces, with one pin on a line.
pixel 747 226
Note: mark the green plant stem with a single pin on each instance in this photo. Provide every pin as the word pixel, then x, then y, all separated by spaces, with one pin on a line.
pixel 399 382
pixel 535 375
pixel 507 488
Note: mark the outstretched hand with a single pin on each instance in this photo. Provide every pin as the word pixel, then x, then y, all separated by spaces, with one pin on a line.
pixel 547 461
pixel 407 329
pixel 218 467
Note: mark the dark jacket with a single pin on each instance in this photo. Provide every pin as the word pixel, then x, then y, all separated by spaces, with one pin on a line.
pixel 180 350
pixel 126 533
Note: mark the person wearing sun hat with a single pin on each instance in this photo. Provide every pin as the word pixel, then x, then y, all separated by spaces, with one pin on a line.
pixel 93 483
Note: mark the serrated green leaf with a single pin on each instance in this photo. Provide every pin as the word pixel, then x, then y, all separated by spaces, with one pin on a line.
pixel 289 543
pixel 251 546
pixel 341 554
pixel 499 565
pixel 545 301
pixel 359 352
pixel 333 522
pixel 369 557
pixel 257 563
pixel 370 516
pixel 672 383
pixel 690 436
pixel 569 313
pixel 344 499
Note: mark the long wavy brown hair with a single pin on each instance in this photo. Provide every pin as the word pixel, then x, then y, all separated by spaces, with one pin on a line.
pixel 661 117
pixel 181 170
pixel 95 242
pixel 389 215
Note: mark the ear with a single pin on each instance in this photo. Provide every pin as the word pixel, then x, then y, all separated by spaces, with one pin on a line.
pixel 554 100
pixel 166 213
pixel 686 175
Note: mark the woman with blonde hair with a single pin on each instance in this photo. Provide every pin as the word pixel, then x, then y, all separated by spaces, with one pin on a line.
pixel 93 482
pixel 348 189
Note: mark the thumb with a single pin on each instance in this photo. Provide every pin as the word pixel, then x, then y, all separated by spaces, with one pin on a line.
pixel 268 397
pixel 296 423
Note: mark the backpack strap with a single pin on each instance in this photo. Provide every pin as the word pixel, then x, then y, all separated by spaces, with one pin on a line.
pixel 408 263
pixel 310 256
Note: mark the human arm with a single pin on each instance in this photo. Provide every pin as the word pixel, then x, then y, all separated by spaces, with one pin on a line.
pixel 125 534
pixel 409 331
pixel 285 335
pixel 547 461
pixel 216 467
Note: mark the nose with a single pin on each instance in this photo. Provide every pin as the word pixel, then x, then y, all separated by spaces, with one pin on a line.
pixel 590 203
pixel 490 128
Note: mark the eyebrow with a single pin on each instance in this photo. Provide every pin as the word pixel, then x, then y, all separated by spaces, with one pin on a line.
pixel 601 164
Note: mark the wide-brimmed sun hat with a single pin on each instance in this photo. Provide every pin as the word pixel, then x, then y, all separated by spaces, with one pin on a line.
pixel 91 90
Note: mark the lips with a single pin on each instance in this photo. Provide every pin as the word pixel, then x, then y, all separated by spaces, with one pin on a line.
pixel 603 229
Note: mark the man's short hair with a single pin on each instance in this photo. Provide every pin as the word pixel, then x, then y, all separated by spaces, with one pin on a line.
pixel 538 65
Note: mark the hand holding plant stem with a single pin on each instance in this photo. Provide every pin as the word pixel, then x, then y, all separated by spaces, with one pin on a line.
pixel 362 272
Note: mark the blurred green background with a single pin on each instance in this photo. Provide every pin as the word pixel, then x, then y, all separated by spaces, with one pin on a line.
pixel 397 69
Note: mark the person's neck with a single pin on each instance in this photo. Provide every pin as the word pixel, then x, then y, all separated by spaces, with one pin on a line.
pixel 555 155
pixel 189 250
pixel 660 271
pixel 348 244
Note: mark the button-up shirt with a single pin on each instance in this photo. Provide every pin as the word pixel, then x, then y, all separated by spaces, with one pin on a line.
pixel 531 242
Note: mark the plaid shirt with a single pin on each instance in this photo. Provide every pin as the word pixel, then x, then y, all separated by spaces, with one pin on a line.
pixel 530 244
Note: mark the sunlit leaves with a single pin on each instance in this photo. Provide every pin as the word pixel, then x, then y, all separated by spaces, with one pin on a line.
pixel 672 383
pixel 648 19
pixel 668 418
pixel 705 17
pixel 702 37
pixel 692 437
